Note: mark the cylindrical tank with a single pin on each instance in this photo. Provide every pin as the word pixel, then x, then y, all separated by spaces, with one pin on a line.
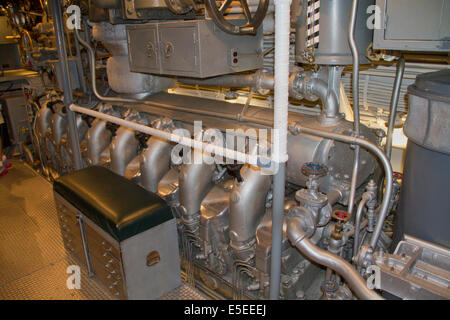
pixel 323 32
pixel 424 208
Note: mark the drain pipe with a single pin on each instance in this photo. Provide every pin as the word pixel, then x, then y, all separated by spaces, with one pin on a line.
pixel 281 97
pixel 355 76
pixel 394 103
pixel 68 98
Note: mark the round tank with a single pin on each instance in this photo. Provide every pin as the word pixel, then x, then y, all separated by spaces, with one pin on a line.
pixel 424 208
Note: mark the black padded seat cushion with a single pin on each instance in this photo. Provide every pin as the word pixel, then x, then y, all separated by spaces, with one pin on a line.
pixel 117 205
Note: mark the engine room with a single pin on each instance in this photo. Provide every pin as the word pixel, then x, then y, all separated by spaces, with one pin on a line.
pixel 226 149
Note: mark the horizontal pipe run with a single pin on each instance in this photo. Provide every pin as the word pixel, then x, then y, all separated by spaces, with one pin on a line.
pixel 207 147
pixel 359 211
pixel 255 80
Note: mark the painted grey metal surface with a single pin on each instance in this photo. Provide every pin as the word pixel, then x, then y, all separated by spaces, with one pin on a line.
pixel 247 207
pixel 424 207
pixel 332 44
pixel 196 48
pixel 151 282
pixel 416 270
pixel 74 77
pixel 16 118
pixel 428 119
pixel 424 204
pixel 120 78
pixel 68 98
pixel 400 29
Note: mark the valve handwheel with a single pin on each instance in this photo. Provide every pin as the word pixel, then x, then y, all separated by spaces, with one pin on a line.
pixel 217 11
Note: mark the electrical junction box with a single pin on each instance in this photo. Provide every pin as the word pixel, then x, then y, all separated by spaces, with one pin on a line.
pixel 413 25
pixel 196 48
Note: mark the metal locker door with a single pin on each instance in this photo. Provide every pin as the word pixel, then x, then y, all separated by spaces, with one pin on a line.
pixel 179 49
pixel 143 48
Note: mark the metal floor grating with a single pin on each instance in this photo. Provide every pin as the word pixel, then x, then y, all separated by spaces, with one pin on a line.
pixel 33 261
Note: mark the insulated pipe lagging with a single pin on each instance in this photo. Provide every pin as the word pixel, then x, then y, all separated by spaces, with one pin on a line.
pixel 352 278
pixel 281 97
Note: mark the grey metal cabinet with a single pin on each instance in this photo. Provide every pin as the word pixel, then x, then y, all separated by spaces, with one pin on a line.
pixel 145 57
pixel 413 25
pixel 196 48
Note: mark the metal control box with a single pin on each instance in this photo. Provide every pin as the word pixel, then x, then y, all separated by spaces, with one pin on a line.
pixel 412 25
pixel 196 48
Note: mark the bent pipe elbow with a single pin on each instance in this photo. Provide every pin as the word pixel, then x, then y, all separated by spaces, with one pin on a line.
pixel 329 99
pixel 309 250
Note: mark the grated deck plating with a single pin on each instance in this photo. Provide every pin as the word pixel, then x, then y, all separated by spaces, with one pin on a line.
pixel 33 262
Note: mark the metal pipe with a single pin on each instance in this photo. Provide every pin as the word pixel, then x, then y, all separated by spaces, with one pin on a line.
pixel 362 203
pixel 329 99
pixel 394 104
pixel 384 207
pixel 339 265
pixel 207 147
pixel 80 65
pixel 334 196
pixel 355 58
pixel 68 98
pixel 281 103
pixel 255 80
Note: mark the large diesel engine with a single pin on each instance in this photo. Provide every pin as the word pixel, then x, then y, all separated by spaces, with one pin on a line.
pixel 234 113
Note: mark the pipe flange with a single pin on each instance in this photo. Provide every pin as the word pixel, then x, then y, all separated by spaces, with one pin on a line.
pixel 295 86
pixel 260 86
pixel 364 257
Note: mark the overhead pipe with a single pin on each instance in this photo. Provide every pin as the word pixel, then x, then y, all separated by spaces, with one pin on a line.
pixel 262 80
pixel 281 103
pixel 355 78
pixel 384 207
pixel 352 278
pixel 68 98
pixel 257 80
pixel 394 104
